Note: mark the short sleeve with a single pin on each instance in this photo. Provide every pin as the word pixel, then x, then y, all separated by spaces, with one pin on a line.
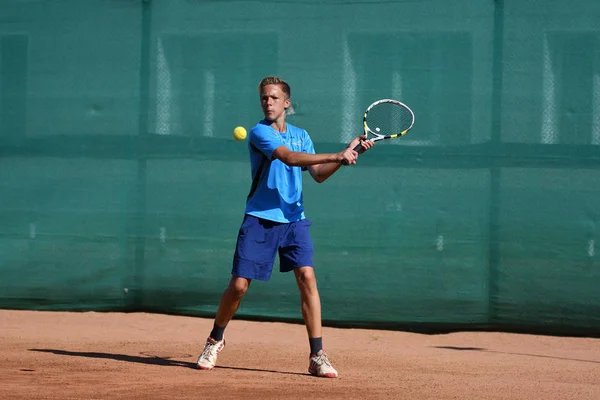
pixel 265 139
pixel 307 146
pixel 307 143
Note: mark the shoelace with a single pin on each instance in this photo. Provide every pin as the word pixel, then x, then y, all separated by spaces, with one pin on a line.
pixel 209 349
pixel 323 359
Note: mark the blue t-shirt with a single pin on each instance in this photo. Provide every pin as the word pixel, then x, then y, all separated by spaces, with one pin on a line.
pixel 278 196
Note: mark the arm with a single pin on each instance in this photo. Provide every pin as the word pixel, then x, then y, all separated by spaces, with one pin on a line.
pixel 299 159
pixel 320 166
pixel 263 137
pixel 323 171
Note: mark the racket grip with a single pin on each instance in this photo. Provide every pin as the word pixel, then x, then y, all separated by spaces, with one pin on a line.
pixel 357 149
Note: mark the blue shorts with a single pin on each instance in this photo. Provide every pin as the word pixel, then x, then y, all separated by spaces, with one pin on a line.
pixel 259 240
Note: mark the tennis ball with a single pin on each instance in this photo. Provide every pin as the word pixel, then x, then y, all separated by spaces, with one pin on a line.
pixel 239 133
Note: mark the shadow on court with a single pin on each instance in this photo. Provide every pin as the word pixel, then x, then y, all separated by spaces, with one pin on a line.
pixel 153 360
pixel 516 354
pixel 261 370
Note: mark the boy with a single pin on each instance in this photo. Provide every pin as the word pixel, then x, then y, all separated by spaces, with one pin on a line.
pixel 274 220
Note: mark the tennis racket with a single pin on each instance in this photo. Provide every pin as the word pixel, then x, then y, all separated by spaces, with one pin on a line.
pixel 386 119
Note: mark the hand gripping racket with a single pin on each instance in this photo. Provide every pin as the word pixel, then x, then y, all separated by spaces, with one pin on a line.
pixel 386 119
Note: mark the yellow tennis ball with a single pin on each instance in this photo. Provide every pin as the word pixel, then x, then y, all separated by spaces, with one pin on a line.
pixel 239 133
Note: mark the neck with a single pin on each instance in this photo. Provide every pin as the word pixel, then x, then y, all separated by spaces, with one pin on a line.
pixel 279 125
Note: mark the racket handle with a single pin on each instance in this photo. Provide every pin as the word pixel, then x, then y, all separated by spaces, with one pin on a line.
pixel 357 149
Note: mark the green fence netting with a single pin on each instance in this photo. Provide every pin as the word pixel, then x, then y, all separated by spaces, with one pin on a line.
pixel 122 188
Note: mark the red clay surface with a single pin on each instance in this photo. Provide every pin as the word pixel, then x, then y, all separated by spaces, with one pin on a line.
pixel 58 355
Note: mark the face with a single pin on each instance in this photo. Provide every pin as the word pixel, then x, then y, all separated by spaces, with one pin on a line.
pixel 273 102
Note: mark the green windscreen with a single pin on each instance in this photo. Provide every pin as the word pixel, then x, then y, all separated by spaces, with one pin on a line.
pixel 123 189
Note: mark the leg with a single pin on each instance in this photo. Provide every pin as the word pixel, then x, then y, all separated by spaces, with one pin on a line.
pixel 311 301
pixel 250 261
pixel 311 312
pixel 296 253
pixel 230 302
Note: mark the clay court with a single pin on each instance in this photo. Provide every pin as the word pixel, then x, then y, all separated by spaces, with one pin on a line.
pixel 91 355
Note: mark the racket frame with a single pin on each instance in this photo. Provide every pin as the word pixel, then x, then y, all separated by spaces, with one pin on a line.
pixel 378 136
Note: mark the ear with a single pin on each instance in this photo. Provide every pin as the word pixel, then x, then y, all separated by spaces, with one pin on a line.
pixel 287 103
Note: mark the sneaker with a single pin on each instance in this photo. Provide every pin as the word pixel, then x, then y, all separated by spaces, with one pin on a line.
pixel 208 358
pixel 321 366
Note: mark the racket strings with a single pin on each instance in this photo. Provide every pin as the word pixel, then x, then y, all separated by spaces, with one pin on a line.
pixel 389 119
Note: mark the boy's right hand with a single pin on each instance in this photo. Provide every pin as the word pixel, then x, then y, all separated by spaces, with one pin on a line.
pixel 349 155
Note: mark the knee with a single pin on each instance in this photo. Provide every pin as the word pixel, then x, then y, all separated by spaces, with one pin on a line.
pixel 306 279
pixel 238 287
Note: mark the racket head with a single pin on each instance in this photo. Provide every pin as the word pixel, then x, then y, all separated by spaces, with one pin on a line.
pixel 387 119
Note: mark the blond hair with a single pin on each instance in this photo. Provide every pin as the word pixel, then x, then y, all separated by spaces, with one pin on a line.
pixel 274 80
